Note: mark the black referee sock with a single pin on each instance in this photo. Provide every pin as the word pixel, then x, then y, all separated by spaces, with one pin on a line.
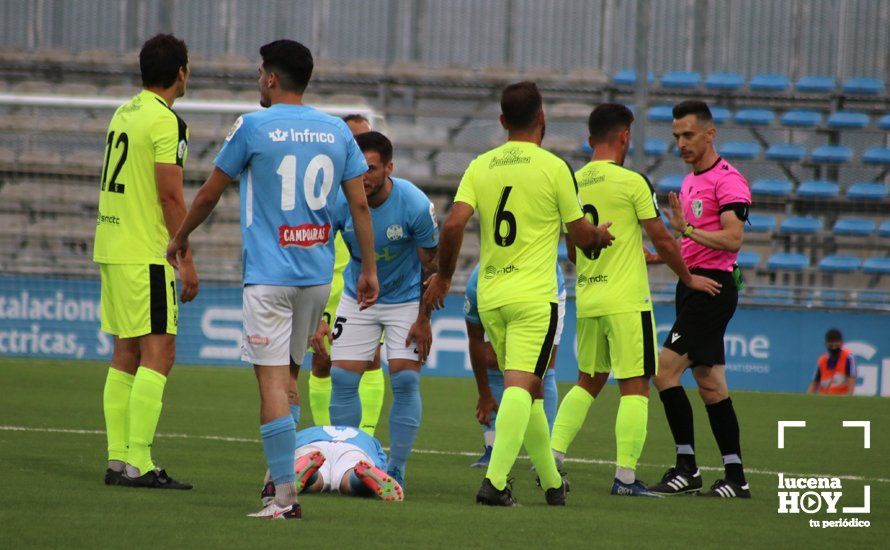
pixel 725 426
pixel 679 416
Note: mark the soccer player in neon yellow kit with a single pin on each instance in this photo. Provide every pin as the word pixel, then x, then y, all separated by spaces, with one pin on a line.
pixel 523 195
pixel 140 205
pixel 616 327
pixel 372 386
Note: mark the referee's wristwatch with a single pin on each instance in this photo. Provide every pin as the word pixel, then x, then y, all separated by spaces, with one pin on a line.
pixel 688 230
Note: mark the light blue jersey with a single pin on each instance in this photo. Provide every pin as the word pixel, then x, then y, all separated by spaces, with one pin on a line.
pixel 471 308
pixel 293 159
pixel 404 222
pixel 345 434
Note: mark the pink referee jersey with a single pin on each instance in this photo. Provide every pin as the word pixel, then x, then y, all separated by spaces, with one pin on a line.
pixel 703 196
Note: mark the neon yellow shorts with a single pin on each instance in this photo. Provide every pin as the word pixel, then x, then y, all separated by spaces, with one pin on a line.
pixel 522 335
pixel 623 343
pixel 138 299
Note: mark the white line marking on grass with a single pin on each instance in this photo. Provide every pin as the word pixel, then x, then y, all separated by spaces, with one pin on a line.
pixel 593 461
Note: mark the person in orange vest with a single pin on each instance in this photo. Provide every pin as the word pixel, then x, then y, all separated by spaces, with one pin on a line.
pixel 836 370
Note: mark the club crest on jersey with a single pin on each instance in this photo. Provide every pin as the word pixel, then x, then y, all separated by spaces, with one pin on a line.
pixel 305 236
pixel 181 151
pixel 697 208
pixel 395 232
pixel 278 135
pixel 235 127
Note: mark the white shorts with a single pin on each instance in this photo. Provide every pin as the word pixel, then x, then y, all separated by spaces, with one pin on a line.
pixel 357 333
pixel 560 323
pixel 279 321
pixel 340 457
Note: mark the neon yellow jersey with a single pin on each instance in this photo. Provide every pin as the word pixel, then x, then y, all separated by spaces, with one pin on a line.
pixel 614 280
pixel 130 226
pixel 523 194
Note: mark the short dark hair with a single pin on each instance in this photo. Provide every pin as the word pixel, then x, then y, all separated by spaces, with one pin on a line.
pixel 375 141
pixel 160 59
pixel 520 104
pixel 834 335
pixel 291 61
pixel 607 119
pixel 356 117
pixel 693 107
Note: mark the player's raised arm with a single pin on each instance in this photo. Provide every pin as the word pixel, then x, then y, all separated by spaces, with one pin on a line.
pixel 729 237
pixel 669 252
pixel 367 288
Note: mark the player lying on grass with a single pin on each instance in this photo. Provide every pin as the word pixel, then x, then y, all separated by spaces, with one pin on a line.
pixel 406 235
pixel 490 379
pixel 339 459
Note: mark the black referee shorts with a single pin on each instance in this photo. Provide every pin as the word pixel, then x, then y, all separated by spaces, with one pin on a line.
pixel 702 320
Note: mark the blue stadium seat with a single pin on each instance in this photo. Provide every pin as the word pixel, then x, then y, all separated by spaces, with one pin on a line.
pixel 628 77
pixel 832 154
pixel 740 150
pixel 877 155
pixel 876 266
pixel 857 227
pixel 867 191
pixel 788 261
pixel 839 264
pixel 748 259
pixel 761 223
pixel 681 79
pixel 724 81
pixel 847 119
pixel 655 147
pixel 588 150
pixel 816 84
pixel 754 117
pixel 661 113
pixel 720 114
pixel 771 187
pixel 863 86
pixel 818 189
pixel 884 229
pixel 785 152
pixel 884 122
pixel 800 225
pixel 670 183
pixel 800 118
pixel 769 83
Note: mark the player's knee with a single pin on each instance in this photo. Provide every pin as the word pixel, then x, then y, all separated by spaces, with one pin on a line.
pixel 405 382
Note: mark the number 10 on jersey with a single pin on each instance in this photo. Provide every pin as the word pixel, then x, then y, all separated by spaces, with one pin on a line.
pixel 288 172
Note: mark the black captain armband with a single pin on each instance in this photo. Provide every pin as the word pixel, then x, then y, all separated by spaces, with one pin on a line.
pixel 740 209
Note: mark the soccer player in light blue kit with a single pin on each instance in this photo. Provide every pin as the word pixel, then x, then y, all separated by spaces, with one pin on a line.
pixel 490 379
pixel 292 160
pixel 341 460
pixel 406 237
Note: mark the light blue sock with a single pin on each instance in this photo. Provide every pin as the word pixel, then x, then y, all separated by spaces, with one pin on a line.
pixel 404 417
pixel 496 385
pixel 295 414
pixel 551 397
pixel 346 406
pixel 279 441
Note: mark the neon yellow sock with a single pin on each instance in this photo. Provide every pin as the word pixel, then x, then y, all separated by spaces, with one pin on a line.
pixel 371 390
pixel 320 399
pixel 570 418
pixel 511 425
pixel 537 445
pixel 116 402
pixel 630 429
pixel 145 410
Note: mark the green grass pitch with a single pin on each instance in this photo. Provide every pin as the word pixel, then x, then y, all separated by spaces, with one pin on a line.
pixel 52 493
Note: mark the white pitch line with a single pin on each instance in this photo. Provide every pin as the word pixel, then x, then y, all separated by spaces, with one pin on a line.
pixel 594 461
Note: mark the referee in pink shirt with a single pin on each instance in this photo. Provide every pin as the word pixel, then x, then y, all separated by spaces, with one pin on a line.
pixel 710 214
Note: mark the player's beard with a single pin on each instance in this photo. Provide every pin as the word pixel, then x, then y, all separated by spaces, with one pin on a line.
pixel 265 101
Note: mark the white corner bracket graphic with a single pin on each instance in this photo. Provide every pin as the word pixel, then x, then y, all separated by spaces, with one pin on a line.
pixel 782 424
pixel 866 430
